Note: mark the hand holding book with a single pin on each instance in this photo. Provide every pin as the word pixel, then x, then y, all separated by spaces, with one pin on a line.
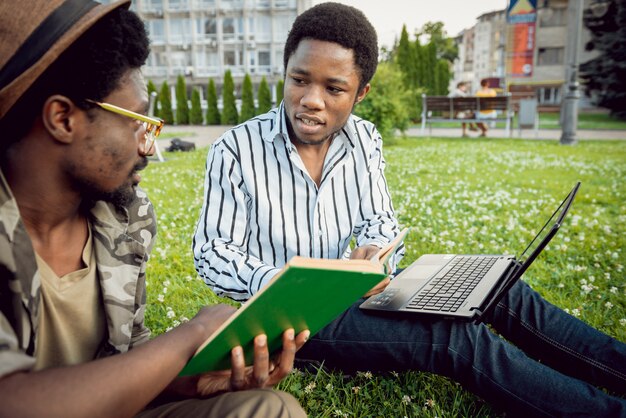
pixel 265 371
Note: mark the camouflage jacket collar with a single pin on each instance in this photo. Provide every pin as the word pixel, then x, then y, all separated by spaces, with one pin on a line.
pixel 121 248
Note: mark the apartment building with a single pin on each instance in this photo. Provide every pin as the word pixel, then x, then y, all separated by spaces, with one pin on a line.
pixel 489 47
pixel 201 39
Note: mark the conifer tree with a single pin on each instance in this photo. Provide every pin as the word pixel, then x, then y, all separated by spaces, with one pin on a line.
pixel 248 110
pixel 229 112
pixel 195 116
pixel 430 64
pixel 182 107
pixel 405 59
pixel 280 86
pixel 212 112
pixel 165 100
pixel 264 97
pixel 443 77
pixel 152 88
pixel 604 76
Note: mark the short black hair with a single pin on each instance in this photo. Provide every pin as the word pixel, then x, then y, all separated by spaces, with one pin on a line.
pixel 90 68
pixel 343 25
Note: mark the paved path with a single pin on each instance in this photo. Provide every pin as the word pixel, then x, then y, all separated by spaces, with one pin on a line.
pixel 203 136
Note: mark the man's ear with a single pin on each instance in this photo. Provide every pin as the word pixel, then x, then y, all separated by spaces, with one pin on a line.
pixel 361 95
pixel 61 118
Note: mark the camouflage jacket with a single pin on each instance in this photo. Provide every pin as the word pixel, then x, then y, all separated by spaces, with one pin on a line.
pixel 122 240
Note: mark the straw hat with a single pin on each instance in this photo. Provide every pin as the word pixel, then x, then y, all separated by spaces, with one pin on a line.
pixel 33 33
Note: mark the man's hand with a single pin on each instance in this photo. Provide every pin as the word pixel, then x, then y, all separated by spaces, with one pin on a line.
pixel 366 252
pixel 264 372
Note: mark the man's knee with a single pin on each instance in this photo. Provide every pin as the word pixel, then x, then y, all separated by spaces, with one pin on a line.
pixel 270 403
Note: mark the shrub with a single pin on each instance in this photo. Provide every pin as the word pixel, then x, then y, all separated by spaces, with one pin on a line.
pixel 195 117
pixel 212 112
pixel 248 110
pixel 229 112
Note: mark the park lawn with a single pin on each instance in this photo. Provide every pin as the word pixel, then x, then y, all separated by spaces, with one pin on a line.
pixel 592 121
pixel 475 196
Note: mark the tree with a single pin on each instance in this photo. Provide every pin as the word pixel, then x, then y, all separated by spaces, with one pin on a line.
pixel 195 116
pixel 406 60
pixel 212 112
pixel 445 46
pixel 248 110
pixel 280 87
pixel 604 77
pixel 429 57
pixel 182 107
pixel 165 100
pixel 388 103
pixel 442 77
pixel 229 111
pixel 152 88
pixel 264 97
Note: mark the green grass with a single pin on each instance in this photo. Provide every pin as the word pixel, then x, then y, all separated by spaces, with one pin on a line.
pixel 458 196
pixel 597 121
pixel 585 121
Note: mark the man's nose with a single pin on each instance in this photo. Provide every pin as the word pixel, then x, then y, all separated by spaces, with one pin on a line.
pixel 313 98
pixel 146 143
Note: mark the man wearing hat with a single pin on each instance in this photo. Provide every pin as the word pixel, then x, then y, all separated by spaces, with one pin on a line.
pixel 76 232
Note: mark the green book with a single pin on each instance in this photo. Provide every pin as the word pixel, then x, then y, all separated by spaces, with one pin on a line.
pixel 307 294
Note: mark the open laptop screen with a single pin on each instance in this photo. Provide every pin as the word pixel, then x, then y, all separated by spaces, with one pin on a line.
pixel 547 232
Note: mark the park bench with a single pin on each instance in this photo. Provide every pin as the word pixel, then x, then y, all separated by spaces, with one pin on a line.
pixel 437 109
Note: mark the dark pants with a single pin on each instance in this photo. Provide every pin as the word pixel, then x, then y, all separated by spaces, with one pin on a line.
pixel 549 366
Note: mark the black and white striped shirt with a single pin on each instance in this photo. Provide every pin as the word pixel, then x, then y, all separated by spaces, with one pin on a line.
pixel 261 206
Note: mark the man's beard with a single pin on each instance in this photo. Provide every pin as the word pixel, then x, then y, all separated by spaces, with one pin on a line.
pixel 121 197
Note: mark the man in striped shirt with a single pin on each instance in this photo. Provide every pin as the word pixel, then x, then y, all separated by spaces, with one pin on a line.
pixel 308 177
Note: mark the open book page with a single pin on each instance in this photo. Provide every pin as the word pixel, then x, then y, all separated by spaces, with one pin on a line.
pixel 376 264
pixel 383 256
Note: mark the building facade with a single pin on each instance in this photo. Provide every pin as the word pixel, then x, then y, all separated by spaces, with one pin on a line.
pixel 550 49
pixel 202 39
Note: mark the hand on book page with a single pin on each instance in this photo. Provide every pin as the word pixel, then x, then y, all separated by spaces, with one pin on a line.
pixel 265 372
pixel 366 252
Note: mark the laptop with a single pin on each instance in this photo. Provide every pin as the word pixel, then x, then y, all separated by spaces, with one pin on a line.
pixel 463 286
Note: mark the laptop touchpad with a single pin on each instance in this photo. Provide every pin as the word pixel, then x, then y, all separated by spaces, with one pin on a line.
pixel 419 271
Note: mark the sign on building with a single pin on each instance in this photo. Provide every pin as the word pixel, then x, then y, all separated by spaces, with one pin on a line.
pixel 521 20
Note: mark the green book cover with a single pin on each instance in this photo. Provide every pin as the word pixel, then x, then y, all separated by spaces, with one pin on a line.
pixel 306 294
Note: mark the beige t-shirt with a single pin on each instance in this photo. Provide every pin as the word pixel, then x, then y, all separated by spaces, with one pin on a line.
pixel 72 324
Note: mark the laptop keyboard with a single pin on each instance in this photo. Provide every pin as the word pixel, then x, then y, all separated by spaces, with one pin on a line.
pixel 447 294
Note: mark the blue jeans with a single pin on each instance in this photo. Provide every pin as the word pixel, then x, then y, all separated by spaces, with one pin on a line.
pixel 547 364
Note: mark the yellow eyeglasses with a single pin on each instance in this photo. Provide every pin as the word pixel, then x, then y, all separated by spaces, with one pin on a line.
pixel 152 126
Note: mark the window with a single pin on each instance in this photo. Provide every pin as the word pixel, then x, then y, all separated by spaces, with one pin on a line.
pixel 549 95
pixel 263 28
pixel 206 28
pixel 229 58
pixel 232 28
pixel 553 17
pixel 550 56
pixel 207 59
pixel 179 59
pixel 156 30
pixel 178 5
pixel 282 24
pixel 152 6
pixel 178 31
pixel 264 58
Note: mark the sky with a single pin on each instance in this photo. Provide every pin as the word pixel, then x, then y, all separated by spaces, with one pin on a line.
pixel 388 16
